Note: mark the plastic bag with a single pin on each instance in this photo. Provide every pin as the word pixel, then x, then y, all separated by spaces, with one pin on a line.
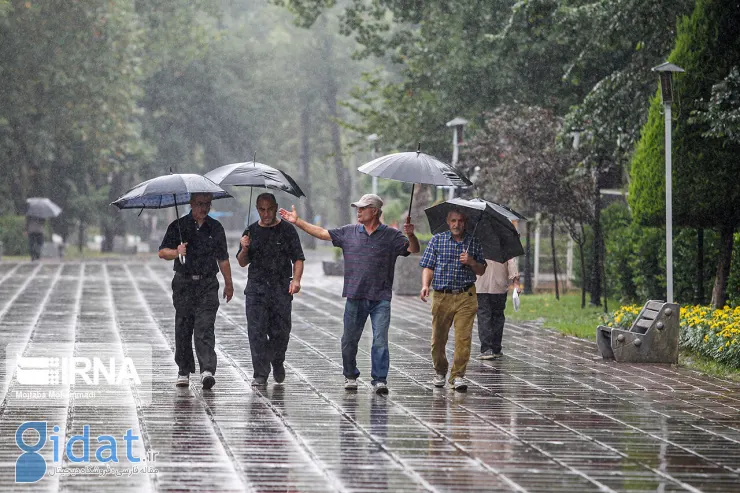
pixel 515 299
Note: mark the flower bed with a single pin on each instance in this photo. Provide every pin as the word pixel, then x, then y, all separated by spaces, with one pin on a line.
pixel 712 333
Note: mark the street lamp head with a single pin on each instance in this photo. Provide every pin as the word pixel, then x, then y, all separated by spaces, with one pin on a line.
pixel 372 137
pixel 457 124
pixel 666 70
pixel 457 121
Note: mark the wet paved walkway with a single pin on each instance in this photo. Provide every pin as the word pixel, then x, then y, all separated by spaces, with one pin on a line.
pixel 548 417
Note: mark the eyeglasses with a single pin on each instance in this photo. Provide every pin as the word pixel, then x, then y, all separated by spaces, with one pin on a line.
pixel 206 205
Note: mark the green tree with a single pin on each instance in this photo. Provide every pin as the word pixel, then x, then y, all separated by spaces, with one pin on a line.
pixel 706 193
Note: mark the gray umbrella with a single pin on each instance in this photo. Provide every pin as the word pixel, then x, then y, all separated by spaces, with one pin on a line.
pixel 415 167
pixel 487 221
pixel 42 208
pixel 254 174
pixel 168 191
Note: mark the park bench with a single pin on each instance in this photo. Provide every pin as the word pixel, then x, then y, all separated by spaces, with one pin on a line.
pixel 653 337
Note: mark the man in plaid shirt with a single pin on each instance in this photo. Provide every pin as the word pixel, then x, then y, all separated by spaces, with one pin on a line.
pixel 451 262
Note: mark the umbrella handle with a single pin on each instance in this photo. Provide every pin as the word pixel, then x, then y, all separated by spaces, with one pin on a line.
pixel 475 228
pixel 411 201
pixel 177 213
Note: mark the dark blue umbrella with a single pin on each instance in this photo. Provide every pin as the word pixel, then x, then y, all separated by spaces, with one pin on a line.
pixel 168 191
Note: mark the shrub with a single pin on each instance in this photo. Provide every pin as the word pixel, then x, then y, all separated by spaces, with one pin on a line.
pixel 11 234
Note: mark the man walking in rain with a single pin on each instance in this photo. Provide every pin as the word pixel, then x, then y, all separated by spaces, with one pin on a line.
pixel 370 251
pixel 195 286
pixel 491 289
pixel 451 261
pixel 272 250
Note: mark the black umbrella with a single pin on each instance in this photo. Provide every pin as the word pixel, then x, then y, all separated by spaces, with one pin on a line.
pixel 415 167
pixel 168 191
pixel 254 174
pixel 42 208
pixel 487 221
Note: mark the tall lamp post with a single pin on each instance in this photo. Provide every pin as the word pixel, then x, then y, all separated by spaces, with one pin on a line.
pixel 457 125
pixel 666 70
pixel 373 139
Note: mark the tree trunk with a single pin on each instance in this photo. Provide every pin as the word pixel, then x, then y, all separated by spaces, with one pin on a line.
pixel 584 283
pixel 81 238
pixel 596 268
pixel 112 219
pixel 699 293
pixel 528 262
pixel 305 169
pixel 719 293
pixel 554 256
pixel 344 187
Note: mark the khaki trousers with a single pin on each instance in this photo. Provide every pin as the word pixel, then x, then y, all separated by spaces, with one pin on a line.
pixel 460 309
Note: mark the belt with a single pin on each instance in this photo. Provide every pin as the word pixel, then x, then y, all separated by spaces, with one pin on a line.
pixel 193 277
pixel 455 291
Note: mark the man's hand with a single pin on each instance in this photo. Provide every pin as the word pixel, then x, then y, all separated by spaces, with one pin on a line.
pixel 408 229
pixel 245 241
pixel 467 259
pixel 228 292
pixel 290 216
pixel 295 286
pixel 424 294
pixel 518 288
pixel 182 249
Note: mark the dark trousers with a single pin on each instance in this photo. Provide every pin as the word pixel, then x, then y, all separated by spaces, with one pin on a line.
pixel 268 327
pixel 35 245
pixel 196 304
pixel 491 321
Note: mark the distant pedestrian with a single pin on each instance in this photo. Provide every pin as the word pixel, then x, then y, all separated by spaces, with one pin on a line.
pixel 195 286
pixel 370 251
pixel 451 261
pixel 35 234
pixel 272 250
pixel 492 288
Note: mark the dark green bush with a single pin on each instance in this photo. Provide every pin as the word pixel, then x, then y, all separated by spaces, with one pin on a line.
pixel 11 234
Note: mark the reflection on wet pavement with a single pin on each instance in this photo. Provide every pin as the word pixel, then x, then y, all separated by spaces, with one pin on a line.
pixel 547 417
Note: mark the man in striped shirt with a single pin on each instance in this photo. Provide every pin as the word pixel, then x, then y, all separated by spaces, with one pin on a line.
pixel 370 251
pixel 451 261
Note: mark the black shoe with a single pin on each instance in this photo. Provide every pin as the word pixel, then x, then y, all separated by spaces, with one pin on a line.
pixel 206 378
pixel 259 382
pixel 278 372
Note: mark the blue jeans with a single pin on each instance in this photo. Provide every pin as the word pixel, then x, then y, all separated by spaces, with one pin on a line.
pixel 355 316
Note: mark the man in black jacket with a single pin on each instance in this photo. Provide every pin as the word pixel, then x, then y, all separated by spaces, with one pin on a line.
pixel 195 286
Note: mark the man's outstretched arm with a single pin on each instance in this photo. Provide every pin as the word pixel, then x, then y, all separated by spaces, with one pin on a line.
pixel 312 229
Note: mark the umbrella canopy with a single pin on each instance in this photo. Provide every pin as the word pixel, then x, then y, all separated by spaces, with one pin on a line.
pixel 253 174
pixel 487 221
pixel 415 167
pixel 167 191
pixel 42 208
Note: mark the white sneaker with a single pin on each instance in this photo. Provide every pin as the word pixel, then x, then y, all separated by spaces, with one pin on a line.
pixel 182 380
pixel 350 384
pixel 439 380
pixel 381 388
pixel 460 384
pixel 206 378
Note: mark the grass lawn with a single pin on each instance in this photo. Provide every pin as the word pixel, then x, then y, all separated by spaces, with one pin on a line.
pixel 564 315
